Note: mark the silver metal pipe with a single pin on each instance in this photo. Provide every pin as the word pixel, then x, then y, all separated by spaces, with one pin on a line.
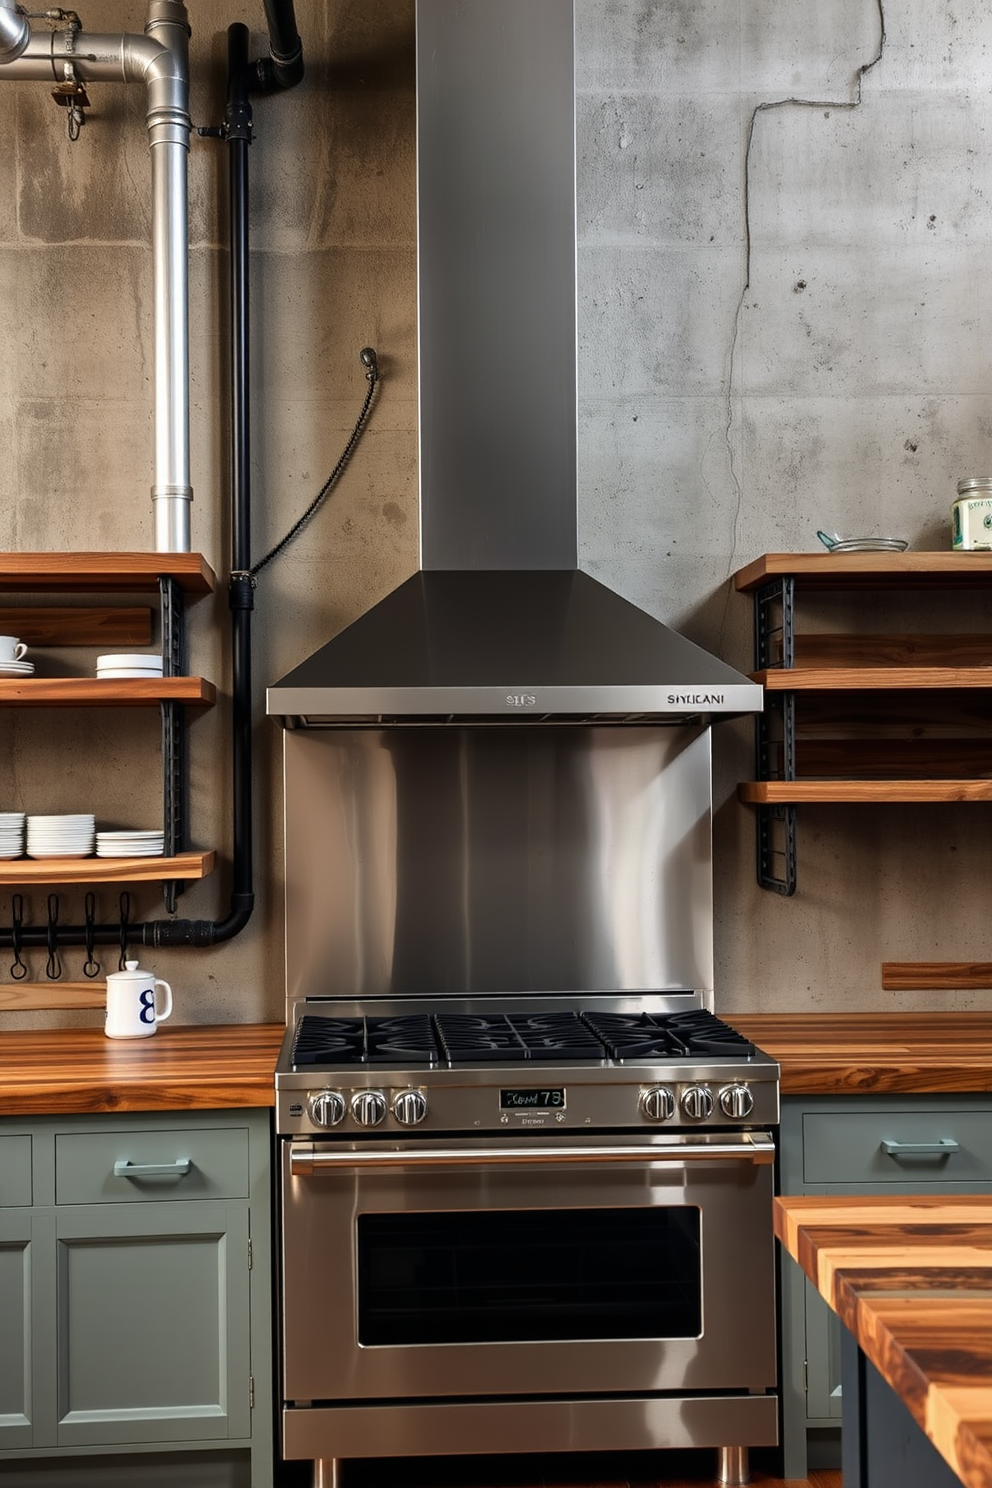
pixel 14 30
pixel 169 127
pixel 159 59
pixel 733 1466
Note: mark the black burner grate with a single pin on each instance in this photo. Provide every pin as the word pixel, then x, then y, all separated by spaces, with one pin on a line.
pixel 467 1037
pixel 667 1035
pixel 512 1038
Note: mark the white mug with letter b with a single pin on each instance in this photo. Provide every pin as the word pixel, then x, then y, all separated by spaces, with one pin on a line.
pixel 133 1007
pixel 11 649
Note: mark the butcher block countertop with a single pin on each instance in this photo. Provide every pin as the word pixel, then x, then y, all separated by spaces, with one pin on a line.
pixel 208 1067
pixel 874 1053
pixel 911 1278
pixel 80 1070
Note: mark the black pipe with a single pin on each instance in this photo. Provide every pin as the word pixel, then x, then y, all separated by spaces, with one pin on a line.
pixel 243 77
pixel 283 67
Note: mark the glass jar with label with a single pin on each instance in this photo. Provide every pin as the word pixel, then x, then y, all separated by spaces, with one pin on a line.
pixel 971 515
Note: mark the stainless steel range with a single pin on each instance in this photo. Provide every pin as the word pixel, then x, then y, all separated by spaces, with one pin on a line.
pixel 526 1175
pixel 525 1224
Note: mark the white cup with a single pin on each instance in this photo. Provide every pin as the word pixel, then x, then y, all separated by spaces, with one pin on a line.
pixel 132 1002
pixel 11 649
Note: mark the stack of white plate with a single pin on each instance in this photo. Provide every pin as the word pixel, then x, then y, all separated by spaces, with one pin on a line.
pixel 11 834
pixel 129 664
pixel 16 668
pixel 61 836
pixel 126 844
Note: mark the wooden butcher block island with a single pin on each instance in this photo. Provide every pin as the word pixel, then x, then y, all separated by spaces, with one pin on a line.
pixel 911 1279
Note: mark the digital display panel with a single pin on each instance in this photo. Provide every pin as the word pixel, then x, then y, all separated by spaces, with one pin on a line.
pixel 532 1100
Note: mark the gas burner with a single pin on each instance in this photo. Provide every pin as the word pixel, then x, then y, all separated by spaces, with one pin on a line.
pixel 331 1041
pixel 666 1035
pixel 467 1037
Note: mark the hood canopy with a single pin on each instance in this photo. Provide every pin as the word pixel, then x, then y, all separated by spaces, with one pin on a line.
pixel 505 646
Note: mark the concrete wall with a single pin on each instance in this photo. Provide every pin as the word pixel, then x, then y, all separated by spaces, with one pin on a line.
pixel 731 402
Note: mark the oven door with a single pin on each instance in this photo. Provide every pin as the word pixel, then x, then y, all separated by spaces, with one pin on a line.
pixel 542 1266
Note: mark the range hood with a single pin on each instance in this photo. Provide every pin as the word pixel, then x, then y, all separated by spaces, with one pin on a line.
pixel 499 623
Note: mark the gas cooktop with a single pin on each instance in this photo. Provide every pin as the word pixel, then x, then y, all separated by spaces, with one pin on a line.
pixel 444 1065
pixel 451 1039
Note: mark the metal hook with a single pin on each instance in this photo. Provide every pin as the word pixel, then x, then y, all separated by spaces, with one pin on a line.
pixel 53 969
pixel 91 966
pixel 18 970
pixel 125 909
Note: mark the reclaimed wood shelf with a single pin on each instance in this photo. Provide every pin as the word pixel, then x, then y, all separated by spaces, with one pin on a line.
pixel 810 792
pixel 940 976
pixel 861 718
pixel 18 872
pixel 104 573
pixel 94 692
pixel 869 571
pixel 870 678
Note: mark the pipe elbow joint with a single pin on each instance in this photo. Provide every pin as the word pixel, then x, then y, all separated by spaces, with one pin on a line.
pixel 15 32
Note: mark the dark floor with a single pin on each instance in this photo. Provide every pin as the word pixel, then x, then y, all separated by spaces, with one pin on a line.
pixel 563 1470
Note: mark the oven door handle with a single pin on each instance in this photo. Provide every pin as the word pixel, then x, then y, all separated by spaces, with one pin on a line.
pixel 307 1159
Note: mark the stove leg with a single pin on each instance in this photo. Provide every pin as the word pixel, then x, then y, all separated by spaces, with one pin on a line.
pixel 732 1466
pixel 327 1472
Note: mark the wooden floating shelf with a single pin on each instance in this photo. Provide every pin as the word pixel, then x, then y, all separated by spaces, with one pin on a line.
pixel 29 997
pixel 871 679
pixel 941 976
pixel 108 573
pixel 23 872
pixel 809 792
pixel 94 692
pixel 870 570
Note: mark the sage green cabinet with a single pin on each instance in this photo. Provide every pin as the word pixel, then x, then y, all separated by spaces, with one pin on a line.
pixel 859 1145
pixel 135 1297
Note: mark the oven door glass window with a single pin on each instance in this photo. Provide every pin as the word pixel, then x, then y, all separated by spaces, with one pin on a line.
pixel 531 1275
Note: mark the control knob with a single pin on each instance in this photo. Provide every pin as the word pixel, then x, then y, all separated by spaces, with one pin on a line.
pixel 409 1107
pixel 657 1103
pixel 697 1102
pixel 369 1107
pixel 326 1107
pixel 736 1101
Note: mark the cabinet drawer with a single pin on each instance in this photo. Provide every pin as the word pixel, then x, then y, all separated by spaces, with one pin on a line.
pixel 898 1147
pixel 15 1171
pixel 129 1167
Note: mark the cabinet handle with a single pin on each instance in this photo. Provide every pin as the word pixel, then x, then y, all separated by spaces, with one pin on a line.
pixel 124 1168
pixel 943 1147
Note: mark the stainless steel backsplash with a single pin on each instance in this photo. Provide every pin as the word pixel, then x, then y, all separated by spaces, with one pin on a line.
pixel 445 860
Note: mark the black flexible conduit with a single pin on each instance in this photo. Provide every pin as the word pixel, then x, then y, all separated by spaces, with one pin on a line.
pixel 283 68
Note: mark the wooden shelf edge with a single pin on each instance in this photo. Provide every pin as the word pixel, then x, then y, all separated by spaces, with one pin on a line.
pixel 844 570
pixel 94 692
pixel 110 572
pixel 23 872
pixel 811 792
pixel 30 997
pixel 941 976
pixel 874 679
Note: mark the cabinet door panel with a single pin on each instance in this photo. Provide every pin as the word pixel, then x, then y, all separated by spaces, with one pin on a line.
pixel 152 1323
pixel 15 1329
pixel 15 1169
